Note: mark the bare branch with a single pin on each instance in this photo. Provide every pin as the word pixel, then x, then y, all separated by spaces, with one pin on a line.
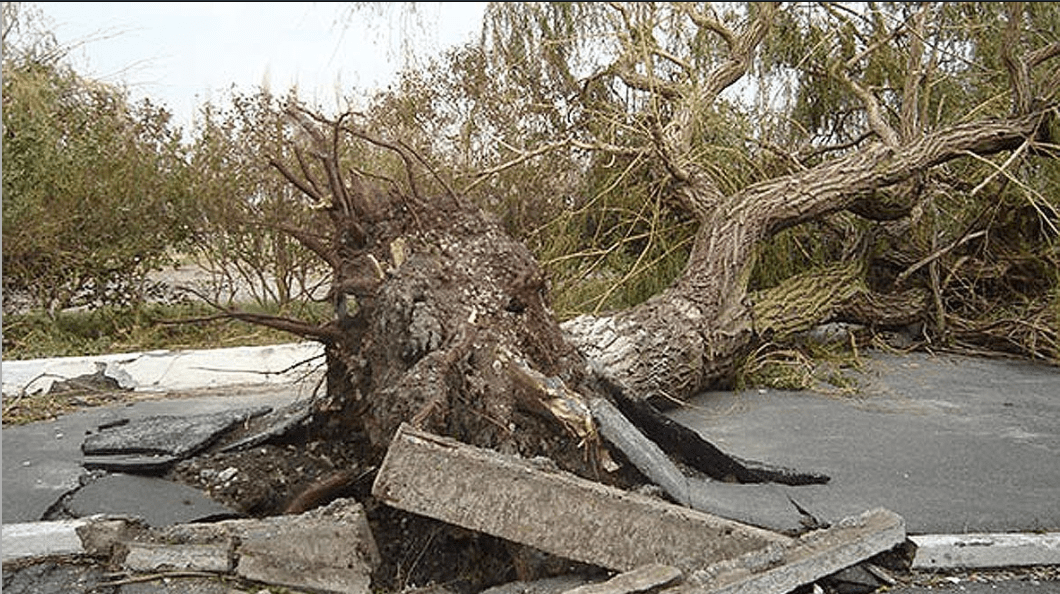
pixel 433 171
pixel 909 118
pixel 523 156
pixel 648 83
pixel 305 188
pixel 877 122
pixel 312 243
pixel 1018 71
pixel 326 333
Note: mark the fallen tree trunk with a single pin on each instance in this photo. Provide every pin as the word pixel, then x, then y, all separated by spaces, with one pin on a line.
pixel 690 336
pixel 443 322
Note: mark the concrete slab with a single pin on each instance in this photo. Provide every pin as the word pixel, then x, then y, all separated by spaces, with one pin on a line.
pixel 157 501
pixel 936 551
pixel 553 511
pixel 952 444
pixel 329 549
pixel 640 579
pixel 783 568
pixel 145 557
pixel 553 585
pixel 313 554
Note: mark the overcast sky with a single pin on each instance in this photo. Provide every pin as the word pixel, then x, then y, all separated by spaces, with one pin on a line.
pixel 184 53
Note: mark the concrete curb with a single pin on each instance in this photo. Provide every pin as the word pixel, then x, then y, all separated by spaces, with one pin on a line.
pixel 42 539
pixel 981 550
pixel 162 370
pixel 934 551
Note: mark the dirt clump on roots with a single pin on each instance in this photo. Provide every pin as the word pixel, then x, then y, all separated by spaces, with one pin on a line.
pixel 416 551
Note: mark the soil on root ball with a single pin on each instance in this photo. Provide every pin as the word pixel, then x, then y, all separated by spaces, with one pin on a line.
pixel 416 551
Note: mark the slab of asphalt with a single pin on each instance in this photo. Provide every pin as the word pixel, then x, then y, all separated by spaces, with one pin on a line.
pixel 43 461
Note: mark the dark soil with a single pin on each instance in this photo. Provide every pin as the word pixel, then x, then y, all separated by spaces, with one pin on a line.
pixel 416 551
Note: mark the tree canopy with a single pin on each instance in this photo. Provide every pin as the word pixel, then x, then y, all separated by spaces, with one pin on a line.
pixel 659 113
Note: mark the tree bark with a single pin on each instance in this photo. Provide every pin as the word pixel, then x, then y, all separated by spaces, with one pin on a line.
pixel 442 321
pixel 689 337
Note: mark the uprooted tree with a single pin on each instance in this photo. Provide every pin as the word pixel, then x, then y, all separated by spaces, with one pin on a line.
pixel 442 319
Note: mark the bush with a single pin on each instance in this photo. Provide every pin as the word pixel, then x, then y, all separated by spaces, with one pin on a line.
pixel 93 187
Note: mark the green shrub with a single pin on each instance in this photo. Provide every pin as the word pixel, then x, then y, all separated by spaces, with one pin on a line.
pixel 93 188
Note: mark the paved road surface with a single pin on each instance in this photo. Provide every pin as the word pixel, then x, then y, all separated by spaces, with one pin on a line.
pixel 953 444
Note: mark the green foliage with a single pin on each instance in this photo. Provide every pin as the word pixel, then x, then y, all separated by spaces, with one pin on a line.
pixel 618 247
pixel 112 329
pixel 245 206
pixel 94 188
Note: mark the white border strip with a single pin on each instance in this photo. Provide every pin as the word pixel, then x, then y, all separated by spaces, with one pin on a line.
pixel 42 539
pixel 982 550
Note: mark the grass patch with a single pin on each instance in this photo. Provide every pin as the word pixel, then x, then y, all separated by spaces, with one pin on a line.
pixel 23 409
pixel 140 328
pixel 829 369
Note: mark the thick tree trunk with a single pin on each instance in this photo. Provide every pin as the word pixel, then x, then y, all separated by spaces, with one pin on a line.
pixel 442 319
pixel 688 337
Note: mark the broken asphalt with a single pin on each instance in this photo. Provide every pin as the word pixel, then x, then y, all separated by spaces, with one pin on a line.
pixel 955 445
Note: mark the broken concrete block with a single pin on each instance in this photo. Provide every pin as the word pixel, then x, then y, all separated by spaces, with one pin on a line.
pixel 553 585
pixel 328 550
pixel 640 579
pixel 554 511
pixel 782 568
pixel 149 557
pixel 100 534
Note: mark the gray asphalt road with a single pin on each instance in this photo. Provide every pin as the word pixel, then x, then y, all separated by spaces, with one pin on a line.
pixel 953 444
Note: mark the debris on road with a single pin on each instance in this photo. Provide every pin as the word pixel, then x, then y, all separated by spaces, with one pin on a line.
pixel 575 518
pixel 779 569
pixel 329 550
pixel 765 505
pixel 164 439
pixel 641 579
pixel 551 510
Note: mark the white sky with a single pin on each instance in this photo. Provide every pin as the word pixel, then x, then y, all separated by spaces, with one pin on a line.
pixel 182 54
